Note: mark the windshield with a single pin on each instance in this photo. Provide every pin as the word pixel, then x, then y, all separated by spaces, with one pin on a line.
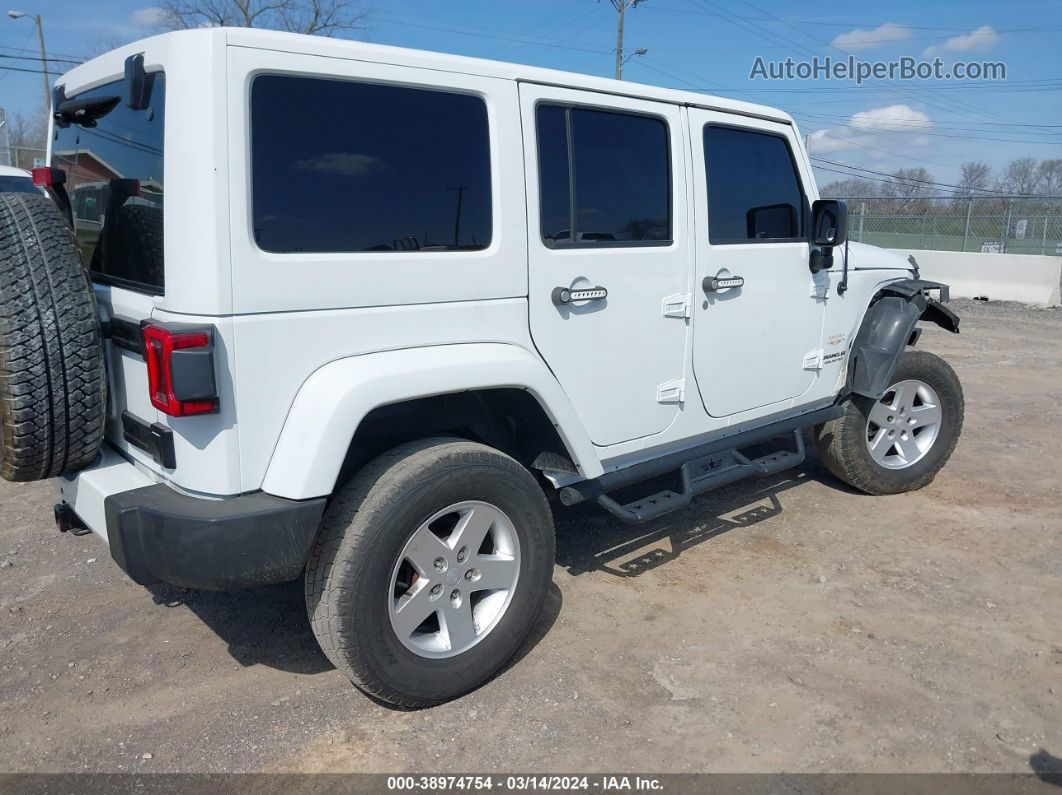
pixel 114 176
pixel 10 184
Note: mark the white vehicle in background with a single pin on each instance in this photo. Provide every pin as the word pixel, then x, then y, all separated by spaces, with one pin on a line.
pixel 351 312
pixel 17 180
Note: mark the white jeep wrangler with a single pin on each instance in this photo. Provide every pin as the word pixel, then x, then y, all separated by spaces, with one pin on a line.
pixel 306 307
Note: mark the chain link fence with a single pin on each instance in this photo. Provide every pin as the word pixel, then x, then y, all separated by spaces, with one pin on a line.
pixel 998 224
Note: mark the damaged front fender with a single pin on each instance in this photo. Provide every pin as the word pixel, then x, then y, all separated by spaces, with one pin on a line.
pixel 888 327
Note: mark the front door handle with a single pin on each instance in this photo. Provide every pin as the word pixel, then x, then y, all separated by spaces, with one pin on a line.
pixel 713 283
pixel 567 295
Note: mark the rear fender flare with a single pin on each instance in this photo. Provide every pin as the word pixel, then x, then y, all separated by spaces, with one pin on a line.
pixel 332 402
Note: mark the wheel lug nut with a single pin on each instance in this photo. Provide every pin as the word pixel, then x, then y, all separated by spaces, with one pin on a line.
pixel 440 564
pixel 462 554
pixel 455 598
pixel 472 575
pixel 435 591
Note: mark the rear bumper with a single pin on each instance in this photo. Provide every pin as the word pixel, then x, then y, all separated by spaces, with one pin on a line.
pixel 156 534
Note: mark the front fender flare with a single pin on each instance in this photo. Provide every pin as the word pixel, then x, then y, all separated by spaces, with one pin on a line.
pixel 334 399
pixel 887 329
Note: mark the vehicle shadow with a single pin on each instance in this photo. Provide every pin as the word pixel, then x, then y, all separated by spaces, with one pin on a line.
pixel 266 625
pixel 1047 767
pixel 590 539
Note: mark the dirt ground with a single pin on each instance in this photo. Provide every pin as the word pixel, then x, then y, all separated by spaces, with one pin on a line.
pixel 780 624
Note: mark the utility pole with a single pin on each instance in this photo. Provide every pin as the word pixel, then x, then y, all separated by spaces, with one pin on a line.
pixel 621 6
pixel 457 216
pixel 44 59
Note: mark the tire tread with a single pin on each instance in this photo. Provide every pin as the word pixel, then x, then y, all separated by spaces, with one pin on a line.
pixel 52 382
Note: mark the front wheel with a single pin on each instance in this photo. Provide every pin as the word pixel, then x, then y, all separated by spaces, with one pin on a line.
pixel 899 442
pixel 430 568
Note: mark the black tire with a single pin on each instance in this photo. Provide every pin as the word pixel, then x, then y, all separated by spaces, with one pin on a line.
pixel 842 443
pixel 363 532
pixel 138 244
pixel 52 383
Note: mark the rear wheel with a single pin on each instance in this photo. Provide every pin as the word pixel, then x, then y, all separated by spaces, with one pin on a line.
pixel 430 568
pixel 899 442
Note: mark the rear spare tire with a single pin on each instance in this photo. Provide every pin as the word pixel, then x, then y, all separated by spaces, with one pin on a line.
pixel 52 382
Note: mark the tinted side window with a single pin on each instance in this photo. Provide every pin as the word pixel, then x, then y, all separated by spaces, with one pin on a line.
pixel 344 166
pixel 612 184
pixel 753 189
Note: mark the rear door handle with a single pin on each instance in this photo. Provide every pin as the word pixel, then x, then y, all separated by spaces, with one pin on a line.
pixel 566 295
pixel 713 283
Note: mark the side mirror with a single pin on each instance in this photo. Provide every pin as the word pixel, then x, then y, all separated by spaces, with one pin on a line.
pixel 829 223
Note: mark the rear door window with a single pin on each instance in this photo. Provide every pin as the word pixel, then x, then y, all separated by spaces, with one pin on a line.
pixel 114 176
pixel 753 189
pixel 346 166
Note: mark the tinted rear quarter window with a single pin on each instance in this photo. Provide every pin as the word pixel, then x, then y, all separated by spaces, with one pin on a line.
pixel 115 181
pixel 753 189
pixel 343 166
pixel 617 171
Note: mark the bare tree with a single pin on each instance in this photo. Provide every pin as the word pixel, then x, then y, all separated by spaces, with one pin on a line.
pixel 1050 172
pixel 1021 176
pixel 975 178
pixel 848 188
pixel 321 17
pixel 27 137
pixel 912 186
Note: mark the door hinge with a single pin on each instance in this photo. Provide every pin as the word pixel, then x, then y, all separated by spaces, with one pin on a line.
pixel 672 391
pixel 680 305
pixel 813 360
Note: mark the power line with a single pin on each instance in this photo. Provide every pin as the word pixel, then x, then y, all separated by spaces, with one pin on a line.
pixel 38 58
pixel 889 151
pixel 905 131
pixel 26 49
pixel 896 178
pixel 545 24
pixel 971 129
pixel 508 38
pixel 819 23
pixel 20 69
pixel 954 104
pixel 645 62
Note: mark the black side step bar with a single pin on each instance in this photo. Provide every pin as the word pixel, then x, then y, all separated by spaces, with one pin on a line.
pixel 702 469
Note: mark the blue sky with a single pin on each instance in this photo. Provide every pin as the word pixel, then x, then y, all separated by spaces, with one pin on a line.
pixel 711 45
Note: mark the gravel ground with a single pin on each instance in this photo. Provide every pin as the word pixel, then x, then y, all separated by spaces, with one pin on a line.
pixel 780 624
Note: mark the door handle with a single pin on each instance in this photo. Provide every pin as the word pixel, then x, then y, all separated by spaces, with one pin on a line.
pixel 713 283
pixel 566 295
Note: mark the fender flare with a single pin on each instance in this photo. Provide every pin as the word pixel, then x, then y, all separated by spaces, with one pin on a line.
pixel 333 401
pixel 888 327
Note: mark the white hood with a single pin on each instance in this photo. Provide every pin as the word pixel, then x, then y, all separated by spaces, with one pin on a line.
pixel 867 257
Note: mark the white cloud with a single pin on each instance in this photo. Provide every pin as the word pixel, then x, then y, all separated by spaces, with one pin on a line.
pixel 904 127
pixel 981 40
pixel 147 17
pixel 892 117
pixel 880 36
